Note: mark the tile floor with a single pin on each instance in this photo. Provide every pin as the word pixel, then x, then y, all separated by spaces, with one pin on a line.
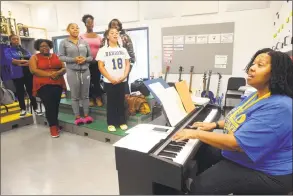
pixel 33 163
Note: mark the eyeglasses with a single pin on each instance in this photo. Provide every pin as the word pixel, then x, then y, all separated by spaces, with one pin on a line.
pixel 44 46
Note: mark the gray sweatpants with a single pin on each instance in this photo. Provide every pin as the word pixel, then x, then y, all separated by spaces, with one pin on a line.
pixel 79 84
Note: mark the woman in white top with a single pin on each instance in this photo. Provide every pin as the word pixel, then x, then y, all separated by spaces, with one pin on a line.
pixel 113 61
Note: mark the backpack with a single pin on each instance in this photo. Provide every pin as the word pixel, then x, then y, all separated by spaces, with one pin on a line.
pixel 138 85
pixel 137 104
pixel 6 96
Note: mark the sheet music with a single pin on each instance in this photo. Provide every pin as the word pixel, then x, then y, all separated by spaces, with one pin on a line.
pixel 142 137
pixel 172 105
pixel 200 100
pixel 157 87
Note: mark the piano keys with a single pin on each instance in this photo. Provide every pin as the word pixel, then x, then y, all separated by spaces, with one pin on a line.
pixel 186 146
pixel 162 170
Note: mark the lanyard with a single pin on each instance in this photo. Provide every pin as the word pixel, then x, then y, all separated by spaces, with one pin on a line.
pixel 250 102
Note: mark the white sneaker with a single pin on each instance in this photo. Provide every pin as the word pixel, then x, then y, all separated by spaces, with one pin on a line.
pixel 38 112
pixel 22 113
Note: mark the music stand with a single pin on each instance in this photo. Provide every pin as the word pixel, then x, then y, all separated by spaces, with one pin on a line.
pixel 165 85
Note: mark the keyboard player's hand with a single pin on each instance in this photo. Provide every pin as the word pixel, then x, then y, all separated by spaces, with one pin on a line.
pixel 204 126
pixel 185 134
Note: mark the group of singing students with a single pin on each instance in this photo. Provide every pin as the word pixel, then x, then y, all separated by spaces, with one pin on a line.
pixel 254 156
pixel 84 57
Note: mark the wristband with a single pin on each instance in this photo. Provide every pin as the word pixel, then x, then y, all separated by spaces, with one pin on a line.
pixel 217 125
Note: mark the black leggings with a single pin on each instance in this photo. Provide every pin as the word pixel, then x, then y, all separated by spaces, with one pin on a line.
pixel 217 175
pixel 19 83
pixel 115 103
pixel 51 96
pixel 95 88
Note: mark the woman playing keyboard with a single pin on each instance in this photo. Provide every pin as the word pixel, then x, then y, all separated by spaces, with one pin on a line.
pixel 254 155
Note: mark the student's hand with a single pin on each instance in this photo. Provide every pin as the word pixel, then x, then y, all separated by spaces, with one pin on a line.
pixel 23 63
pixel 55 75
pixel 77 59
pixel 81 60
pixel 120 80
pixel 185 134
pixel 113 81
pixel 204 126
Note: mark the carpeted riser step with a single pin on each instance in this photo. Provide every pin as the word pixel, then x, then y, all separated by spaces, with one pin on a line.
pixel 102 115
pixel 151 101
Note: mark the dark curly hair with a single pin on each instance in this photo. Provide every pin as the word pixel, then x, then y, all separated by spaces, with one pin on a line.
pixel 281 81
pixel 119 24
pixel 86 17
pixel 39 41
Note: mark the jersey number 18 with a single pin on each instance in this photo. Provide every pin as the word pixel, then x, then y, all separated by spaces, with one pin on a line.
pixel 119 63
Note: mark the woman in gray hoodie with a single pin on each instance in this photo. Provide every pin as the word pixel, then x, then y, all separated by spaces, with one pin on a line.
pixel 76 54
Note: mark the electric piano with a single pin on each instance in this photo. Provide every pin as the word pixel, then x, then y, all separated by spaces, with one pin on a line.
pixel 163 169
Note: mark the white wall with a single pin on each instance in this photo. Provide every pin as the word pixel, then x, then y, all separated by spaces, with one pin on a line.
pixel 253 28
pixel 20 11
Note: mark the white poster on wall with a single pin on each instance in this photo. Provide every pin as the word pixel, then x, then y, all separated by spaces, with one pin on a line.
pixel 179 39
pixel 167 58
pixel 167 39
pixel 167 46
pixel 202 39
pixel 190 39
pixel 167 55
pixel 220 66
pixel 178 46
pixel 227 38
pixel 221 59
pixel 168 49
pixel 214 38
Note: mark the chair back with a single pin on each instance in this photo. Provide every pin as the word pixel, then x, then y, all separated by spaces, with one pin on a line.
pixel 235 82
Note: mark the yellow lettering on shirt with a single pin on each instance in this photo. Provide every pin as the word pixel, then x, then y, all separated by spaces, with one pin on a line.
pixel 237 117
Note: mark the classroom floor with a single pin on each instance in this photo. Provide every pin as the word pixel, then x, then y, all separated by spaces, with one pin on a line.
pixel 33 163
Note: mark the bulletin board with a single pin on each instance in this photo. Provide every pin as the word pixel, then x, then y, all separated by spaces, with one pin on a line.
pixel 206 47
